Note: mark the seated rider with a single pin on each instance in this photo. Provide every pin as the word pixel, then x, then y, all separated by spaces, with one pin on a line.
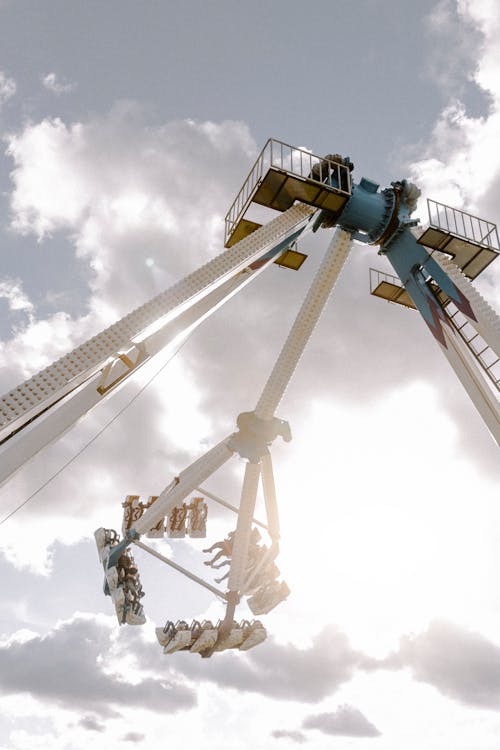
pixel 226 549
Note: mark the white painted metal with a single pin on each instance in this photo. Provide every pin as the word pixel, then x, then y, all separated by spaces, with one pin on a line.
pixel 269 491
pixel 227 505
pixel 257 635
pixel 462 358
pixel 244 526
pixel 75 395
pixel 305 323
pixel 487 322
pixel 51 384
pixel 201 469
pixel 232 640
pixel 266 594
pixel 187 481
pixel 199 639
pixel 207 639
pixel 181 639
pixel 301 330
pixel 257 575
pixel 192 477
pixel 474 380
pixel 179 568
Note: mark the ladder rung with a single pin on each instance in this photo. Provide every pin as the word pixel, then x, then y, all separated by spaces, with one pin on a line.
pixel 493 363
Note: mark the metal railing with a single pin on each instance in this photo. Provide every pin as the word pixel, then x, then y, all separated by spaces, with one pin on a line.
pixel 294 161
pixel 377 277
pixel 482 352
pixel 463 225
pixel 480 349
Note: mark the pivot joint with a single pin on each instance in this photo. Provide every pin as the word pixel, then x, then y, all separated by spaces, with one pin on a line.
pixel 256 434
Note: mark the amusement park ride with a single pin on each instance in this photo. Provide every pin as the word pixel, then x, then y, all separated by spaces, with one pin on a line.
pixel 434 268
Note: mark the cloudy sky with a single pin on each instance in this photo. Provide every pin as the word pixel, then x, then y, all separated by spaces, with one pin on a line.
pixel 127 128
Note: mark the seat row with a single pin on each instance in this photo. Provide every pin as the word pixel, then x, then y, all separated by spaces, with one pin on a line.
pixel 200 637
pixel 122 582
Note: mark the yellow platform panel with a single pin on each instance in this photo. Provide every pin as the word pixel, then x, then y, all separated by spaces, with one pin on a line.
pixel 471 257
pixel 242 229
pixel 279 190
pixel 291 259
pixel 393 293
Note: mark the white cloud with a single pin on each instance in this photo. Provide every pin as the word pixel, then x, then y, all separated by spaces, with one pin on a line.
pixel 289 734
pixel 280 671
pixel 135 200
pixel 92 724
pixel 38 343
pixel 450 29
pixel 53 83
pixel 485 15
pixel 12 291
pixel 134 737
pixel 40 667
pixel 460 164
pixel 7 87
pixel 346 721
pixel 462 664
pixel 128 192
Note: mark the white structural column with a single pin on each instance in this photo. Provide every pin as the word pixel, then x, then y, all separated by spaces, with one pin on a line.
pixel 244 526
pixel 274 389
pixel 21 446
pixel 473 380
pixel 487 322
pixel 269 490
pixel 305 323
pixel 47 387
pixel 187 481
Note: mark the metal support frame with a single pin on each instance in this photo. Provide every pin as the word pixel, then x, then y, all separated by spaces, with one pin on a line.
pixel 180 569
pixel 229 506
pixel 187 481
pixel 475 383
pixel 463 224
pixel 370 216
pixel 301 165
pixel 192 477
pixel 42 408
pixel 304 324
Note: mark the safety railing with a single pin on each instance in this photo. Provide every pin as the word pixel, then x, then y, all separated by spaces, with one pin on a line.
pixel 479 348
pixel 462 224
pixel 376 278
pixel 295 161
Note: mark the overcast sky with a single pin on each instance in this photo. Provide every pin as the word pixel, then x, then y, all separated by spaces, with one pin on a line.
pixel 127 128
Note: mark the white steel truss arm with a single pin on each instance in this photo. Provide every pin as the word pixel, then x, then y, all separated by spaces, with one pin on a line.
pixel 305 322
pixel 227 505
pixel 269 491
pixel 251 442
pixel 54 399
pixel 244 526
pixel 474 380
pixel 473 347
pixel 302 328
pixel 486 320
pixel 187 481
